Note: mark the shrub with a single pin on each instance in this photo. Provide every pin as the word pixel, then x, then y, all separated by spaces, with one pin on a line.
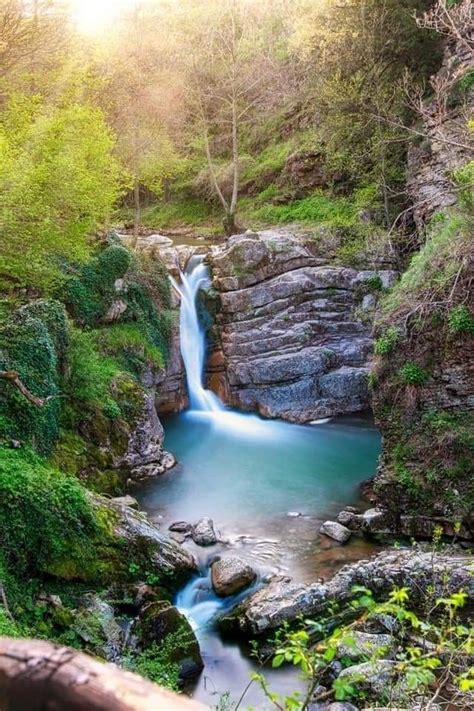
pixel 374 283
pixel 460 320
pixel 413 374
pixel 387 341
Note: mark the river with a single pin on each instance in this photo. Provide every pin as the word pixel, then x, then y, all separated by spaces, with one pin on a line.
pixel 267 485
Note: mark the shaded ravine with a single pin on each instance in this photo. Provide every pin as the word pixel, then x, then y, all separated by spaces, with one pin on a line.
pixel 267 485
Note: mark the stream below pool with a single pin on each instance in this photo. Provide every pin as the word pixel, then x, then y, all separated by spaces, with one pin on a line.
pixel 267 485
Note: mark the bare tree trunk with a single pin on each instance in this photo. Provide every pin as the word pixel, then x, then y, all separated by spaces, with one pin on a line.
pixel 137 211
pixel 39 676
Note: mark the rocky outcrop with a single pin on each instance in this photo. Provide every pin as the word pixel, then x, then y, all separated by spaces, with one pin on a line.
pixel 281 602
pixel 290 325
pixel 432 159
pixel 149 548
pixel 170 382
pixel 423 396
pixel 145 456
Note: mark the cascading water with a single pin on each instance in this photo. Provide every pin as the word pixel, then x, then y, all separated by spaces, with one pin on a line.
pixel 193 337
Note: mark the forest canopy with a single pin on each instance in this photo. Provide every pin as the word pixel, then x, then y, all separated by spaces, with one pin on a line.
pixel 185 109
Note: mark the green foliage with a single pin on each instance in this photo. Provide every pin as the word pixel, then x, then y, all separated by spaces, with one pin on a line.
pixel 413 374
pixel 318 207
pixel 129 346
pixel 58 183
pixel 385 344
pixel 460 320
pixel 417 666
pixel 89 290
pixel 158 662
pixel 90 375
pixel 45 516
pixel 434 268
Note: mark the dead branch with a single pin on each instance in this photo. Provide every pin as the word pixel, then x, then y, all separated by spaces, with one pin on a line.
pixel 12 377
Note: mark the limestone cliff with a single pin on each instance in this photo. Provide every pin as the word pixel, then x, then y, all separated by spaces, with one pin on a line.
pixel 293 326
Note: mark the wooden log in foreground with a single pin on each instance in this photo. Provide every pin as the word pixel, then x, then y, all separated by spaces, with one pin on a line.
pixel 40 676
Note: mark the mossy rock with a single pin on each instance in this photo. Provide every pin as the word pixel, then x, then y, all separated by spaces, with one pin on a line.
pixel 160 620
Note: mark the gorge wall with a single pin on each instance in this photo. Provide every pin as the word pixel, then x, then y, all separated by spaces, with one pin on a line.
pixel 424 375
pixel 294 328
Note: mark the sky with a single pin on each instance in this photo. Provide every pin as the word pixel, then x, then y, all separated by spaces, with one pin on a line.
pixel 94 15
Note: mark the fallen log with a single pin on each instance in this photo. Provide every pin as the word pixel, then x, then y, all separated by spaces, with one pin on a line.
pixel 39 676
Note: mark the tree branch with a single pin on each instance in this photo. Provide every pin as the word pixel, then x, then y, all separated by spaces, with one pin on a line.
pixel 12 377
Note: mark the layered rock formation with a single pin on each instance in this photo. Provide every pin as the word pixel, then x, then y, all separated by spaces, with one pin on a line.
pixel 282 602
pixel 291 326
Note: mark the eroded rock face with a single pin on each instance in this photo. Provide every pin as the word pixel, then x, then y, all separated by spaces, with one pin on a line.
pixel 231 575
pixel 292 344
pixel 170 383
pixel 145 456
pixel 280 602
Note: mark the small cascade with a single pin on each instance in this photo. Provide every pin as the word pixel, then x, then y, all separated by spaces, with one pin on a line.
pixel 192 335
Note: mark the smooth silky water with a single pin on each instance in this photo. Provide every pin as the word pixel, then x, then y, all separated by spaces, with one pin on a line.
pixel 248 474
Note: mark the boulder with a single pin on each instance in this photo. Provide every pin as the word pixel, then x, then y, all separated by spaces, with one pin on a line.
pixel 180 527
pixel 336 531
pixel 373 677
pixel 157 621
pixel 203 533
pixel 231 575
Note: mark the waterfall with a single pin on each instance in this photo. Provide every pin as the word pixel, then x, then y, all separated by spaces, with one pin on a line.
pixel 193 337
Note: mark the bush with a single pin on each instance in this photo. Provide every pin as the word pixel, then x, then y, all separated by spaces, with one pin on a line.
pixel 460 320
pixel 90 289
pixel 387 341
pixel 45 516
pixel 413 374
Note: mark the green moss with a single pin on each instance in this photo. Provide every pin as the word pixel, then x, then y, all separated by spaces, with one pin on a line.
pixel 34 342
pixel 47 522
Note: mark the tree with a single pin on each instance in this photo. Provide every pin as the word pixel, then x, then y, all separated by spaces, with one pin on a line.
pixel 33 34
pixel 58 182
pixel 231 75
pixel 141 104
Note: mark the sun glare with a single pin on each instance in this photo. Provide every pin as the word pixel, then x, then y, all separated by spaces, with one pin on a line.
pixel 93 16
